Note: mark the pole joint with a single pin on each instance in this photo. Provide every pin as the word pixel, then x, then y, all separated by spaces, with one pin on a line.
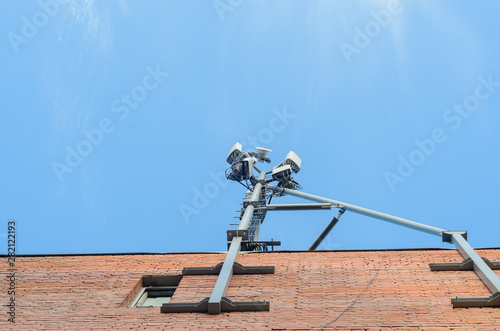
pixel 448 235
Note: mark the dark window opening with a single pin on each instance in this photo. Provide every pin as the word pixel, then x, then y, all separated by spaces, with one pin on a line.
pixel 155 297
pixel 156 290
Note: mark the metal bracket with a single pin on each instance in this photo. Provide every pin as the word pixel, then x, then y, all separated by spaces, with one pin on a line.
pixel 225 306
pixel 448 235
pixel 491 301
pixel 237 233
pixel 196 307
pixel 238 269
pixel 300 206
pixel 247 203
pixel 466 264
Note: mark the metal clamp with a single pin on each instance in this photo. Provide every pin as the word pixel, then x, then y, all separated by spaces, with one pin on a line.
pixel 447 235
pixel 247 203
pixel 237 233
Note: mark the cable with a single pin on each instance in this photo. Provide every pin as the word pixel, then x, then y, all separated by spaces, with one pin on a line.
pixel 352 304
pixel 256 246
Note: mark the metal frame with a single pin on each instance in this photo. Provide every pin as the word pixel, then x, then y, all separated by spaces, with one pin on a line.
pixel 483 271
pixel 226 273
pixel 360 210
pixel 218 302
pixel 457 238
pixel 254 210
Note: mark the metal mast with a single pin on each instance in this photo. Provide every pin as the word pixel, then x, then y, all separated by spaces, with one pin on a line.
pixel 255 208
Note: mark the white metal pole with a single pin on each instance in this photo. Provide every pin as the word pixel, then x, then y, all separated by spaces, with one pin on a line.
pixel 364 211
pixel 226 273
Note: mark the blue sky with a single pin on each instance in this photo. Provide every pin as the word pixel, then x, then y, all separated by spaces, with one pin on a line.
pixel 118 116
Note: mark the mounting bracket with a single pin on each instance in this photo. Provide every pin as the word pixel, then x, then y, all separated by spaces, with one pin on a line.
pixel 448 235
pixel 466 264
pixel 237 233
pixel 238 269
pixel 226 305
pixel 457 238
pixel 491 301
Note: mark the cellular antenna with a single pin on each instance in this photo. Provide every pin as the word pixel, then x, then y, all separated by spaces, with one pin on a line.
pixel 257 202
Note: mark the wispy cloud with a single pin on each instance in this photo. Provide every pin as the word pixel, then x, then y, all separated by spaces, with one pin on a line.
pixel 124 7
pixel 94 22
pixel 445 21
pixel 86 36
pixel 66 83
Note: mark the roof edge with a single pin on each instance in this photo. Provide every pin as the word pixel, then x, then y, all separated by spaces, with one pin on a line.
pixel 276 251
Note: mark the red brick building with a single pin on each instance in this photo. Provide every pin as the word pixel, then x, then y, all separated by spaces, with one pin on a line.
pixel 308 290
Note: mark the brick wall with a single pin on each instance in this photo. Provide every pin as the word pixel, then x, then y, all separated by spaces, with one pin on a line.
pixel 308 290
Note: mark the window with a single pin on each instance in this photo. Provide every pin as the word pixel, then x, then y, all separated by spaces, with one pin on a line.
pixel 155 296
pixel 156 290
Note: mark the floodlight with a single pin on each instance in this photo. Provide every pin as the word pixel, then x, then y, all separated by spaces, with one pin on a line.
pixel 294 161
pixel 234 153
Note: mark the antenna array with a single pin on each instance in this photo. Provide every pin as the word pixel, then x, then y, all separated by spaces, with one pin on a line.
pixel 255 207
